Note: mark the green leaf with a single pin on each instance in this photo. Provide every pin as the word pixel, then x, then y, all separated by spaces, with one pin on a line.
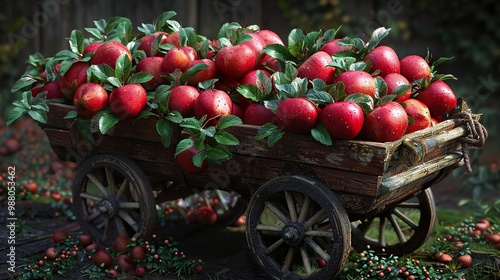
pixel 76 41
pixel 39 116
pixel 265 130
pixel 165 130
pixel 264 82
pixel 175 117
pixel 24 82
pixel 198 158
pixel 400 90
pixel 377 36
pixel 226 138
pixel 217 154
pixel 381 87
pixel 274 137
pixel 147 28
pixel 386 99
pixel 294 37
pixel 321 97
pixel 442 77
pixel 83 126
pixel 122 67
pixel 192 123
pixel 102 72
pixel 320 134
pixel 15 114
pixel 271 132
pixel 358 66
pixel 140 77
pixel 208 84
pixel 279 52
pixel 71 115
pixel 66 55
pixel 114 81
pixel 249 91
pixel 94 31
pixel 441 60
pixel 364 100
pixel 106 120
pixel 228 121
pixel 162 19
pixel 210 131
pixel 193 70
pixel 101 25
pixel 271 104
pixel 244 38
pixel 183 145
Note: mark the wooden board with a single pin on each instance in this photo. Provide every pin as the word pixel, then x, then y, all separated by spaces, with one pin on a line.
pixel 364 175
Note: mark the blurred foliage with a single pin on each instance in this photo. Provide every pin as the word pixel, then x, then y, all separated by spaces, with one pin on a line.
pixel 8 72
pixel 468 30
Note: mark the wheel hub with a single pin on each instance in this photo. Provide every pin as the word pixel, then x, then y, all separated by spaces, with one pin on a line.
pixel 293 234
pixel 108 208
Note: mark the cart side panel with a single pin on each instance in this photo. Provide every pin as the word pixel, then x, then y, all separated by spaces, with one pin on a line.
pixel 157 158
pixel 360 156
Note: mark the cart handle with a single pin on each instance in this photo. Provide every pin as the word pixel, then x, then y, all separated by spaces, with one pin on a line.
pixel 467 128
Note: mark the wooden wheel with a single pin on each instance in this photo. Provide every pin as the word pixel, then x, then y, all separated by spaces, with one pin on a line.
pixel 398 229
pixel 297 229
pixel 111 197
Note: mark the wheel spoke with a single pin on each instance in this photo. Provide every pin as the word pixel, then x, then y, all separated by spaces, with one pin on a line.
pixel 129 220
pixel 291 206
pixel 129 205
pixel 319 233
pixel 381 232
pixel 397 229
pixel 305 209
pixel 98 184
pixel 274 246
pixel 110 179
pixel 93 216
pixel 311 243
pixel 414 205
pixel 107 230
pixel 305 260
pixel 268 228
pixel 120 226
pixel 405 219
pixel 288 259
pixel 91 197
pixel 365 225
pixel 316 218
pixel 276 211
pixel 123 188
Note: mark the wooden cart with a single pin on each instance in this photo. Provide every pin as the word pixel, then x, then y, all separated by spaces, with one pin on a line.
pixel 306 202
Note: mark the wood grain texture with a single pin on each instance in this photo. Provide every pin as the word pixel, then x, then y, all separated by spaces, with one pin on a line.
pixel 364 175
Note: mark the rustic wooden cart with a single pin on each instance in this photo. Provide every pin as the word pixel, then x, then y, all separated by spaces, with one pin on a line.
pixel 306 202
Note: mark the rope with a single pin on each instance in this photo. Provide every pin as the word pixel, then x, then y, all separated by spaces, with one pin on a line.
pixel 476 138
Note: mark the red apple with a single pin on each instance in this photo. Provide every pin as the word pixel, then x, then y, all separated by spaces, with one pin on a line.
pixel 89 99
pixel 109 52
pixel 236 61
pixel 182 99
pixel 154 66
pixel 127 101
pixel 420 114
pixel 74 77
pixel 316 67
pixel 206 74
pixel 147 41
